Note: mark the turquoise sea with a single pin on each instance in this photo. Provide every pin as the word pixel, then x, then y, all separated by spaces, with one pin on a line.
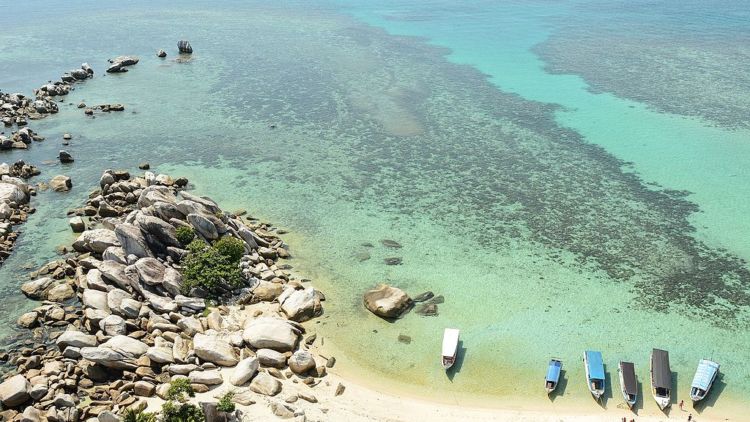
pixel 569 175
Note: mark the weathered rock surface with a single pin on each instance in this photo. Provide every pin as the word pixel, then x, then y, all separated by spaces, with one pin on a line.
pixel 301 361
pixel 387 302
pixel 271 358
pixel 265 384
pixel 61 183
pixel 214 349
pixel 96 241
pixel 14 391
pixel 270 333
pixel 301 305
pixel 244 371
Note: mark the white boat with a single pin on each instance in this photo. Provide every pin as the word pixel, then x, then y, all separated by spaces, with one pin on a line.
pixel 661 378
pixel 704 378
pixel 450 347
pixel 628 384
pixel 595 378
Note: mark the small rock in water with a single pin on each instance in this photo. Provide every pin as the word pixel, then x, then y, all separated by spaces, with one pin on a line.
pixel 184 47
pixel 423 297
pixel 368 245
pixel 438 299
pixel 331 362
pixel 82 105
pixel 393 260
pixel 161 53
pixel 403 338
pixel 390 243
pixel 65 157
pixel 67 136
pixel 362 256
pixel 144 166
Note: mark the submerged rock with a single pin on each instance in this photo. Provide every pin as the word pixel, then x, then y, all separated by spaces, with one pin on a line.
pixel 388 243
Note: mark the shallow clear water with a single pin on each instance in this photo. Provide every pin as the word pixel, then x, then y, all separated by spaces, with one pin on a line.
pixel 535 206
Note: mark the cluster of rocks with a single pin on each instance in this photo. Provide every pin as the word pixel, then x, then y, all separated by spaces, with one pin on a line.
pixel 391 302
pixel 14 202
pixel 116 324
pixel 18 109
pixel 120 64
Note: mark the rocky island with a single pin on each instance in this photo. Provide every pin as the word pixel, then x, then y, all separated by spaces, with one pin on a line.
pixel 166 296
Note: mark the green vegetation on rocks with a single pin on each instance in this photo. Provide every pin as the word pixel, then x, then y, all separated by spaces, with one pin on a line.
pixel 138 415
pixel 230 247
pixel 225 402
pixel 185 235
pixel 209 268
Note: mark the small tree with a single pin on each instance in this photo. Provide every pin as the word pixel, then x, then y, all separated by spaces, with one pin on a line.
pixel 206 267
pixel 225 402
pixel 175 409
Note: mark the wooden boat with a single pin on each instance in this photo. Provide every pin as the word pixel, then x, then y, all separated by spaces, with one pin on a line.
pixel 628 384
pixel 595 379
pixel 450 347
pixel 553 375
pixel 704 378
pixel 661 378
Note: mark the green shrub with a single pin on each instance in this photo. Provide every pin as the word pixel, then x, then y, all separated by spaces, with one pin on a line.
pixel 184 412
pixel 137 415
pixel 206 267
pixel 185 235
pixel 231 247
pixel 179 388
pixel 225 402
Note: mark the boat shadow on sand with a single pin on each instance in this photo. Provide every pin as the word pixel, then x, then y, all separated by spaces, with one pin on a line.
pixel 562 383
pixel 710 401
pixel 607 389
pixel 456 368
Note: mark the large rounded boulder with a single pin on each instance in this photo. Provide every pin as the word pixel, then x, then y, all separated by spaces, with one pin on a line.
pixel 387 301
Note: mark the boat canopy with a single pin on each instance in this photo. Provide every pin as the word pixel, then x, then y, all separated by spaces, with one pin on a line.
pixel 662 375
pixel 553 372
pixel 628 377
pixel 596 365
pixel 450 341
pixel 705 374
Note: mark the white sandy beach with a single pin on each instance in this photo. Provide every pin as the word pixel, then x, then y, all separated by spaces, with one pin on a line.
pixel 359 403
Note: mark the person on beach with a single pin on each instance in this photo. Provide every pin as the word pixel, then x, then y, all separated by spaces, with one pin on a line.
pixel 690 417
pixel 682 403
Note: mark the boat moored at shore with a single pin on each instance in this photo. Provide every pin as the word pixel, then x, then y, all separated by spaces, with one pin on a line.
pixel 450 347
pixel 703 380
pixel 595 378
pixel 661 378
pixel 628 383
pixel 553 375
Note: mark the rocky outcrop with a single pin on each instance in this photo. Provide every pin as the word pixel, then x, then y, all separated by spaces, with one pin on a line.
pixel 127 327
pixel 120 64
pixel 387 302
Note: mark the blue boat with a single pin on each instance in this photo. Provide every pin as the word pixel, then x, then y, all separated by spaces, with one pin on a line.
pixel 703 379
pixel 595 379
pixel 553 375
